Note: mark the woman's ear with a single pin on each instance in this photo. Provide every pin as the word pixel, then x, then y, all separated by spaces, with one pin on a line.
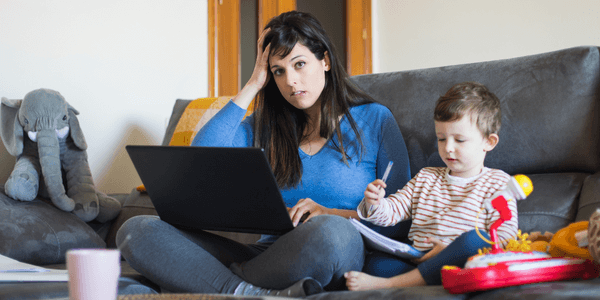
pixel 491 142
pixel 327 61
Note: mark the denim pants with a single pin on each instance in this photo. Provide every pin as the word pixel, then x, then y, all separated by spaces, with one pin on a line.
pixel 324 248
pixel 455 254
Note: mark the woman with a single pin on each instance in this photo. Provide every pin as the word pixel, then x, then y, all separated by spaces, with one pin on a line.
pixel 325 141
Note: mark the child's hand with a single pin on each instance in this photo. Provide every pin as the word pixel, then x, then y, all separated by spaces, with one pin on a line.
pixel 438 246
pixel 375 191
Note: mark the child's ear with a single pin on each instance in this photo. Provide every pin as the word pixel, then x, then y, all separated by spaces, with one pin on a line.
pixel 491 142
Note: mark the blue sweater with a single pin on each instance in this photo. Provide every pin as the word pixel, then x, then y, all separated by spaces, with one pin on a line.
pixel 326 179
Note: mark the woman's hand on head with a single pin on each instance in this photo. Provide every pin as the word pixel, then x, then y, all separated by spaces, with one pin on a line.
pixel 260 75
pixel 306 207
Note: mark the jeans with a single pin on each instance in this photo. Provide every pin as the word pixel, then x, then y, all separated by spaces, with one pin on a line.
pixel 381 264
pixel 324 248
pixel 455 254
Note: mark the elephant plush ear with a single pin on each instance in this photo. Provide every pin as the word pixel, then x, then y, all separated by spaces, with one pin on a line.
pixel 12 132
pixel 75 129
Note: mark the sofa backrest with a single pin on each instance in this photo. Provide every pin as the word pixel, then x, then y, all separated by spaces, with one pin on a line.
pixel 550 125
pixel 550 109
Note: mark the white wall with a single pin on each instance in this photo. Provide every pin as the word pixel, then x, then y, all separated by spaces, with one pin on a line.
pixel 122 64
pixel 414 34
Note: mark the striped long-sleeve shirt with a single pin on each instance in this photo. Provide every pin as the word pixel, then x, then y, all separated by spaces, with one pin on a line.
pixel 443 206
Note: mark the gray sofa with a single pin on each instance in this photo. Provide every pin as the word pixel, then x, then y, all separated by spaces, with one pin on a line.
pixel 550 132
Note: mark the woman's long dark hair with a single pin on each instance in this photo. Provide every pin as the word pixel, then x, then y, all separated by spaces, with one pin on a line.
pixel 279 126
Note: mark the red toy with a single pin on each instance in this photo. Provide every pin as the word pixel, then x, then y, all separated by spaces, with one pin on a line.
pixel 500 268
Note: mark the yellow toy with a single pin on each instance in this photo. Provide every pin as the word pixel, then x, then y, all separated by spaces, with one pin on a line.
pixel 570 241
pixel 540 242
pixel 565 243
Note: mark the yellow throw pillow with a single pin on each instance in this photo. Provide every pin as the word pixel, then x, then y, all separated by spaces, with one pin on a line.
pixel 195 115
pixel 201 109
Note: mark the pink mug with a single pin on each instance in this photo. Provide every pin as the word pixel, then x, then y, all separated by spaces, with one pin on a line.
pixel 93 273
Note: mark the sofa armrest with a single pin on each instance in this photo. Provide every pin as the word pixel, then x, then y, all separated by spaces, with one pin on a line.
pixel 589 199
pixel 178 109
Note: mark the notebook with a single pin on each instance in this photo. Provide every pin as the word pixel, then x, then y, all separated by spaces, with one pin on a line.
pixel 374 240
pixel 212 188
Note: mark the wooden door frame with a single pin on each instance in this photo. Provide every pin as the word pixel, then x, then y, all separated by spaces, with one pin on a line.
pixel 358 37
pixel 224 65
pixel 267 9
pixel 224 55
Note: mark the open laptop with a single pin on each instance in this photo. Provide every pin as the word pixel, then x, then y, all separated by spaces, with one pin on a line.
pixel 212 188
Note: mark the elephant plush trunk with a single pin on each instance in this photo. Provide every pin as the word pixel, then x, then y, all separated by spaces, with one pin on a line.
pixel 80 183
pixel 49 152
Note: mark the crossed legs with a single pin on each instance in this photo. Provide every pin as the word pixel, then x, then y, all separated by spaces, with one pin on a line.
pixel 323 248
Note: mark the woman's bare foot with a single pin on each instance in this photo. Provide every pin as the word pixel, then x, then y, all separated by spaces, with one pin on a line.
pixel 359 281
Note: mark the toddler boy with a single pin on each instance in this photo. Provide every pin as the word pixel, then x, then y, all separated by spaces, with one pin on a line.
pixel 444 203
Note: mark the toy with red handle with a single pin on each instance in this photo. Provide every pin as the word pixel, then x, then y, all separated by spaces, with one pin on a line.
pixel 517 188
pixel 501 268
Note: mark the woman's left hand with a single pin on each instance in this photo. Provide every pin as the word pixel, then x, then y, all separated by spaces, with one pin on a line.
pixel 306 206
pixel 438 246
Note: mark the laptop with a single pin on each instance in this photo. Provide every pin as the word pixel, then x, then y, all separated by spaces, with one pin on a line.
pixel 212 188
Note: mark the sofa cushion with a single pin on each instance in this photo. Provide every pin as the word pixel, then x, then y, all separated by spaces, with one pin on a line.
pixel 60 290
pixel 432 292
pixel 589 200
pixel 553 203
pixel 38 233
pixel 552 98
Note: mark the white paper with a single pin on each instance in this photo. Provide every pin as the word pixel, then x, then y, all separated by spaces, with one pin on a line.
pixel 14 270
pixel 382 243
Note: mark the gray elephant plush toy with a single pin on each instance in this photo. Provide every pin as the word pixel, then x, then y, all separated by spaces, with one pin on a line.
pixel 43 133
